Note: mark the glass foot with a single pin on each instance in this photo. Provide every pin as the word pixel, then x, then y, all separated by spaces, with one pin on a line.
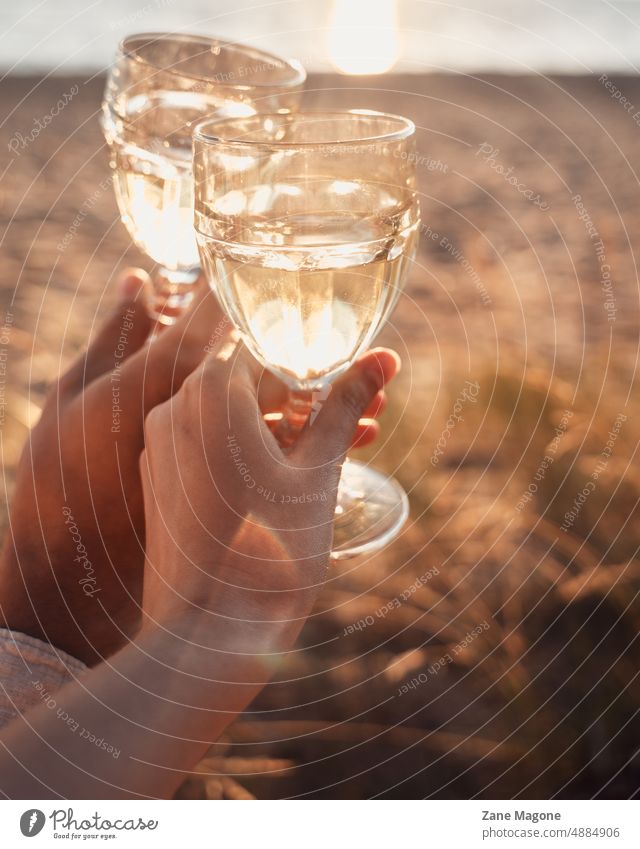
pixel 370 513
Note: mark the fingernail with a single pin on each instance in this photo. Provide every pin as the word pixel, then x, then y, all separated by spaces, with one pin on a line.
pixel 130 284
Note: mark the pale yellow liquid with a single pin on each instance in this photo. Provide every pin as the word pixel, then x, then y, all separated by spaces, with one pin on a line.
pixel 151 158
pixel 155 197
pixel 306 312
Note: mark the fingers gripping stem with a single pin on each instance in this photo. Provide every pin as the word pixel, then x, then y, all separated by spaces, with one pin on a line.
pixel 294 417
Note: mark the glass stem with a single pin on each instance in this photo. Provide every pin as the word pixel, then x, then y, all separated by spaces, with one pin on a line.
pixel 294 417
pixel 172 294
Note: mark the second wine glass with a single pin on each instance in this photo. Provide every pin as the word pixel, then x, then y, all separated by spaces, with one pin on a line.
pixel 307 225
pixel 159 86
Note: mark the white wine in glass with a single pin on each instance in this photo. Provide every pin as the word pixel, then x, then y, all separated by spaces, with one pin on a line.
pixel 307 225
pixel 155 197
pixel 160 85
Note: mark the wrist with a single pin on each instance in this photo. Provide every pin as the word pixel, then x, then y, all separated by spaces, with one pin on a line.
pixel 195 629
pixel 240 594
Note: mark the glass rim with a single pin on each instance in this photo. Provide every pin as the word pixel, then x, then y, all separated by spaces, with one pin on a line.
pixel 298 76
pixel 407 129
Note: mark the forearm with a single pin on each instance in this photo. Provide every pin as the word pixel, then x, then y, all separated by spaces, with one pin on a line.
pixel 132 727
pixel 55 595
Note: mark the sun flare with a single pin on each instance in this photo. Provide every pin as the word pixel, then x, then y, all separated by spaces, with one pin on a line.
pixel 363 36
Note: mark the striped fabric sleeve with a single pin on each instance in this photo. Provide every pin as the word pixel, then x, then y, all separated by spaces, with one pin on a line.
pixel 31 671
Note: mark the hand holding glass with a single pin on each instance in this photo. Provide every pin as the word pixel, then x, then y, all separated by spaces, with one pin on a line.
pixel 307 224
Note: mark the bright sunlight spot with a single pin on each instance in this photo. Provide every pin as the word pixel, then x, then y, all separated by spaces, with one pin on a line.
pixel 363 36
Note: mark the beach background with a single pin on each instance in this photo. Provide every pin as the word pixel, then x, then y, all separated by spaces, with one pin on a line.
pixel 510 36
pixel 492 650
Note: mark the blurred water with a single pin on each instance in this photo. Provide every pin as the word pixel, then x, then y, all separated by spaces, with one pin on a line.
pixel 577 36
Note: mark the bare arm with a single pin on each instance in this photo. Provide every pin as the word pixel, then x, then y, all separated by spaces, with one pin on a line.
pixel 229 580
pixel 155 709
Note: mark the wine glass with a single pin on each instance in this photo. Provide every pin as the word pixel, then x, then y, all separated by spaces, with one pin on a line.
pixel 307 224
pixel 159 86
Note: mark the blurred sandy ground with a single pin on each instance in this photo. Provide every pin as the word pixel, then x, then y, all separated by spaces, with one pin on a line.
pixel 508 295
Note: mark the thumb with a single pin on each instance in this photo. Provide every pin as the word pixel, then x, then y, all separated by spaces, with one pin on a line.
pixel 122 334
pixel 333 429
